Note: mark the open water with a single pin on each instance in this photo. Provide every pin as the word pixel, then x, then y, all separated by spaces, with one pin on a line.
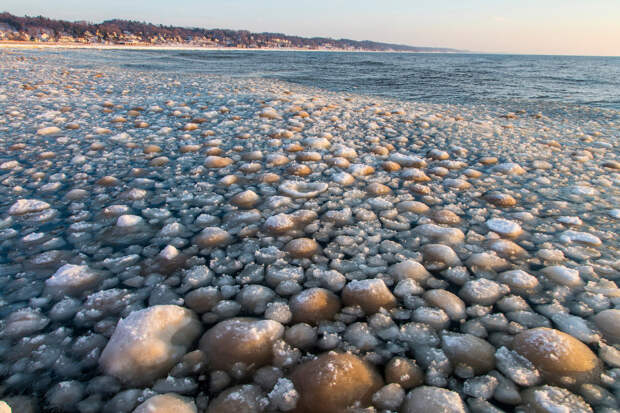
pixel 437 78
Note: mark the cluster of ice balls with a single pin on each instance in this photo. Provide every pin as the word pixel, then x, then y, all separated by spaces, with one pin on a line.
pixel 208 244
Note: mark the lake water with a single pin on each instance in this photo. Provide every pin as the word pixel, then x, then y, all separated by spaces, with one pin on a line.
pixel 437 78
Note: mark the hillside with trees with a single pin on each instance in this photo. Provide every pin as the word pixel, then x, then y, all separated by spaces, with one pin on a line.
pixel 125 32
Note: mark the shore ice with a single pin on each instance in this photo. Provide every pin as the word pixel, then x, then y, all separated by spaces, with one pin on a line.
pixel 133 191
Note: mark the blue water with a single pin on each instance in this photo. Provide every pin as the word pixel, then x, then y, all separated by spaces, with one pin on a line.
pixel 437 78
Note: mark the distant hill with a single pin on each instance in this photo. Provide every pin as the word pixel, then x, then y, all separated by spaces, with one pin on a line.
pixel 119 32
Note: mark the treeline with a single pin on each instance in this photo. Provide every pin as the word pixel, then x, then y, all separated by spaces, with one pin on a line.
pixel 120 31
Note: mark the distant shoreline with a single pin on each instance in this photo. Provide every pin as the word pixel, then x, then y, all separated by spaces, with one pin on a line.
pixel 10 44
pixel 4 44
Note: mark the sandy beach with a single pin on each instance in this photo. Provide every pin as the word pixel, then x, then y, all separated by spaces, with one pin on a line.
pixel 201 243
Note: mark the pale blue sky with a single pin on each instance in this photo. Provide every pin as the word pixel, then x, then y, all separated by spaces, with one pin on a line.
pixel 588 27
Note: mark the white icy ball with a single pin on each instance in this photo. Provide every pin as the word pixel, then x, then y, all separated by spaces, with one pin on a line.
pixel 27 206
pixel 71 280
pixel 125 221
pixel 169 402
pixel 149 342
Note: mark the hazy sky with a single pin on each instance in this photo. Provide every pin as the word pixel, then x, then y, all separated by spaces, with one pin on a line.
pixel 588 27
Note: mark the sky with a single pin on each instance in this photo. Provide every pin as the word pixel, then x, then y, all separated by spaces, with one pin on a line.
pixel 574 27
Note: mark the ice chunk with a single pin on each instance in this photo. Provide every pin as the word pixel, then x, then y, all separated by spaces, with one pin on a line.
pixel 165 403
pixel 516 367
pixel 149 342
pixel 284 397
pixel 240 345
pixel 332 382
pixel 125 221
pixel 71 280
pixel 504 227
pixel 433 399
pixel 27 206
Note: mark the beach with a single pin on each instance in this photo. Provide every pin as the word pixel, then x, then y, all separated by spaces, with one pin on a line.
pixel 213 243
pixel 6 44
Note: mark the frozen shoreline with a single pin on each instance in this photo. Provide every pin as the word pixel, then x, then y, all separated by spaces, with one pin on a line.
pixel 406 236
pixel 43 46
